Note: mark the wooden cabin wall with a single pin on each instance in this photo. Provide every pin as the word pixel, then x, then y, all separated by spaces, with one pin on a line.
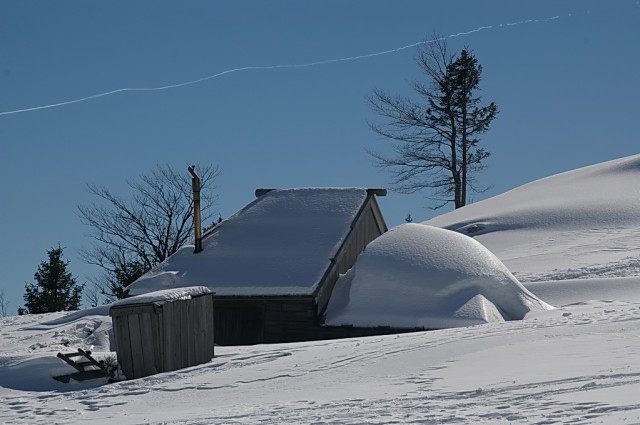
pixel 257 320
pixel 137 356
pixel 187 333
pixel 367 227
pixel 160 338
pixel 248 321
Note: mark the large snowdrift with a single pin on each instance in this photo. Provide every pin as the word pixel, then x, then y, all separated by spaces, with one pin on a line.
pixel 421 276
pixel 29 344
pixel 597 195
pixel 280 244
pixel 578 224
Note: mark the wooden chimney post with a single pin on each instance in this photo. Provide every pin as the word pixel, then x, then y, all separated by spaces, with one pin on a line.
pixel 197 225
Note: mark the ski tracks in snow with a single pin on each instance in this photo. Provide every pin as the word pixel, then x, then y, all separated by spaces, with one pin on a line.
pixel 433 396
pixel 539 403
pixel 574 251
pixel 497 373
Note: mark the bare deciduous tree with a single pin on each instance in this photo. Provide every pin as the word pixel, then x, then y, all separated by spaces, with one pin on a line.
pixel 436 138
pixel 132 234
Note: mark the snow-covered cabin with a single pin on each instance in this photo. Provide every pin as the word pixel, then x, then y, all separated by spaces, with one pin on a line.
pixel 273 265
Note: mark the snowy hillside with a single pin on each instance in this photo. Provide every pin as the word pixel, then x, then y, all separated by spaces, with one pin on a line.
pixel 572 239
pixel 583 223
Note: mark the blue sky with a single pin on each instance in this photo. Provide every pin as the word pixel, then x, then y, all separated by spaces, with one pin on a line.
pixel 567 89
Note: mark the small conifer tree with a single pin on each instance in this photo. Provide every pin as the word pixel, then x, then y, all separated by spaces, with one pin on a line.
pixel 55 289
pixel 123 276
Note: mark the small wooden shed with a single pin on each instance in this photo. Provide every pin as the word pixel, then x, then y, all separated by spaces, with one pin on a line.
pixel 163 331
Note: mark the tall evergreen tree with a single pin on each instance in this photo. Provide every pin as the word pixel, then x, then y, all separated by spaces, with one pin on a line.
pixel 436 140
pixel 55 289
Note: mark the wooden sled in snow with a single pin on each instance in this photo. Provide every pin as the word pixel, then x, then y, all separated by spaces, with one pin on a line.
pixel 87 367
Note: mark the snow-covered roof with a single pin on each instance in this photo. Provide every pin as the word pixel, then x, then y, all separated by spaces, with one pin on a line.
pixel 421 276
pixel 164 296
pixel 280 244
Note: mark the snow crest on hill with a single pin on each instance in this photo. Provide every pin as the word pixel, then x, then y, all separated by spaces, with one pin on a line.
pixel 422 276
pixel 580 224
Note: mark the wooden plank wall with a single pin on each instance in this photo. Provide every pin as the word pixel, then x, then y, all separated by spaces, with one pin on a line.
pixel 161 338
pixel 238 321
pixel 367 227
pixel 280 319
pixel 128 325
pixel 289 319
pixel 188 332
pixel 257 320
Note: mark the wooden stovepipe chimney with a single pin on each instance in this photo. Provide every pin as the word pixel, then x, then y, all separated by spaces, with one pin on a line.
pixel 197 224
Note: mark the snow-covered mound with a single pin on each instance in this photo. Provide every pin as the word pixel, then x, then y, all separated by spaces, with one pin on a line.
pixel 605 193
pixel 577 224
pixel 280 244
pixel 422 276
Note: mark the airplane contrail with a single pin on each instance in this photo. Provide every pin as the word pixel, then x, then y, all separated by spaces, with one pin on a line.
pixel 265 67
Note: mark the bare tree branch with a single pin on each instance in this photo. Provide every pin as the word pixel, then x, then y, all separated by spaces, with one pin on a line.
pixel 135 233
